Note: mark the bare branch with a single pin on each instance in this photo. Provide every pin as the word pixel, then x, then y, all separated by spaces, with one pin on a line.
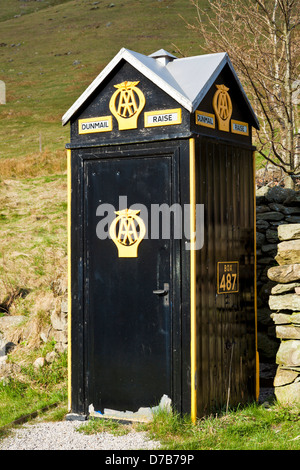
pixel 266 59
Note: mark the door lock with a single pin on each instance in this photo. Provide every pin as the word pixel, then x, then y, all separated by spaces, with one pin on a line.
pixel 164 292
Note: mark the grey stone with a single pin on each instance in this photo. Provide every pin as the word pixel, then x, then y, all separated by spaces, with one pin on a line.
pixel 261 195
pixel 50 357
pixel 293 219
pixel 270 248
pixel 64 306
pixel 281 318
pixel 9 347
pixel 284 377
pixel 10 320
pixel 278 194
pixel 272 235
pixel 262 224
pixel 289 232
pixel 39 362
pixel 291 210
pixel 289 353
pixel 59 321
pixel 288 394
pixel 284 274
pixel 44 337
pixel 75 417
pixel 260 239
pixel 295 368
pixel 288 332
pixel 287 211
pixel 263 208
pixel 284 302
pixel 295 318
pixel 288 252
pixel 3 359
pixel 276 207
pixel 2 346
pixel 272 215
pixel 275 224
pixel 293 199
pixel 284 288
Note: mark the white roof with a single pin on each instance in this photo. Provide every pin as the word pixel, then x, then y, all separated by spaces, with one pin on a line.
pixel 187 80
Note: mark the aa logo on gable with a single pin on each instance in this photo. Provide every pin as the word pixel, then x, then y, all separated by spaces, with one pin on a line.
pixel 223 107
pixel 126 104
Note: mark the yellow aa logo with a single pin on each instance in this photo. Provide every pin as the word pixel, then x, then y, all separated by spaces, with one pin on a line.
pixel 127 231
pixel 223 107
pixel 126 104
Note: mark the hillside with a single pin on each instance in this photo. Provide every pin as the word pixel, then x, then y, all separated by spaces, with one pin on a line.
pixel 51 51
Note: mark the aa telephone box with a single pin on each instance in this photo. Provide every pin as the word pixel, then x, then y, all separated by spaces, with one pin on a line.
pixel 161 238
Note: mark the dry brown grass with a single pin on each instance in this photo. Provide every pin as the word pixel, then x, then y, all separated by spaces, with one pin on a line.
pixel 33 246
pixel 41 163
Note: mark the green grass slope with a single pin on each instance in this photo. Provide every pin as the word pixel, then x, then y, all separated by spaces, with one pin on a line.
pixel 51 51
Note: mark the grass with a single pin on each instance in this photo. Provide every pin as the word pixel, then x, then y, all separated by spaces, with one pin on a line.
pixel 32 389
pixel 33 238
pixel 76 40
pixel 15 8
pixel 33 262
pixel 253 427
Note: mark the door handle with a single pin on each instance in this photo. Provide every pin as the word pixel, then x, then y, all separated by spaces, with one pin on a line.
pixel 164 292
pixel 160 292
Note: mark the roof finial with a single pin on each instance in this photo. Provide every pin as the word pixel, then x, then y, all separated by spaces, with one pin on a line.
pixel 162 56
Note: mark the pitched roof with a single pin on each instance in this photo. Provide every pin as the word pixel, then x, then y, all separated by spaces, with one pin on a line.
pixel 187 80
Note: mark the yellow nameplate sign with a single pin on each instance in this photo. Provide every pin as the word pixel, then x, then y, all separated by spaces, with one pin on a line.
pixel 164 117
pixel 96 124
pixel 238 127
pixel 205 119
pixel 228 277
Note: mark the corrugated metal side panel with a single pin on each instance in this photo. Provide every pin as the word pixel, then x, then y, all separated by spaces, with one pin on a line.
pixel 225 322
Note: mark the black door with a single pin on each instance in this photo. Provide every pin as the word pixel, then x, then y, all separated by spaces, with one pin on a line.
pixel 128 317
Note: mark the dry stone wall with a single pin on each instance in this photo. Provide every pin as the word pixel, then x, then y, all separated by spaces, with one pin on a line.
pixel 275 207
pixel 284 302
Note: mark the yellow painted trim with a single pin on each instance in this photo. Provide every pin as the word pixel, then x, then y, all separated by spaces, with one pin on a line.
pixel 69 279
pixel 193 279
pixel 239 123
pixel 163 112
pixel 257 385
pixel 107 119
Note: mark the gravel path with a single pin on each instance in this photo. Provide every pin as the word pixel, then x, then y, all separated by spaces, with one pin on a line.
pixel 62 435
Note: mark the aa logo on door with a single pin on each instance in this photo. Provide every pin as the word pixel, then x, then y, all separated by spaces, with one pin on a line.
pixel 126 104
pixel 127 231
